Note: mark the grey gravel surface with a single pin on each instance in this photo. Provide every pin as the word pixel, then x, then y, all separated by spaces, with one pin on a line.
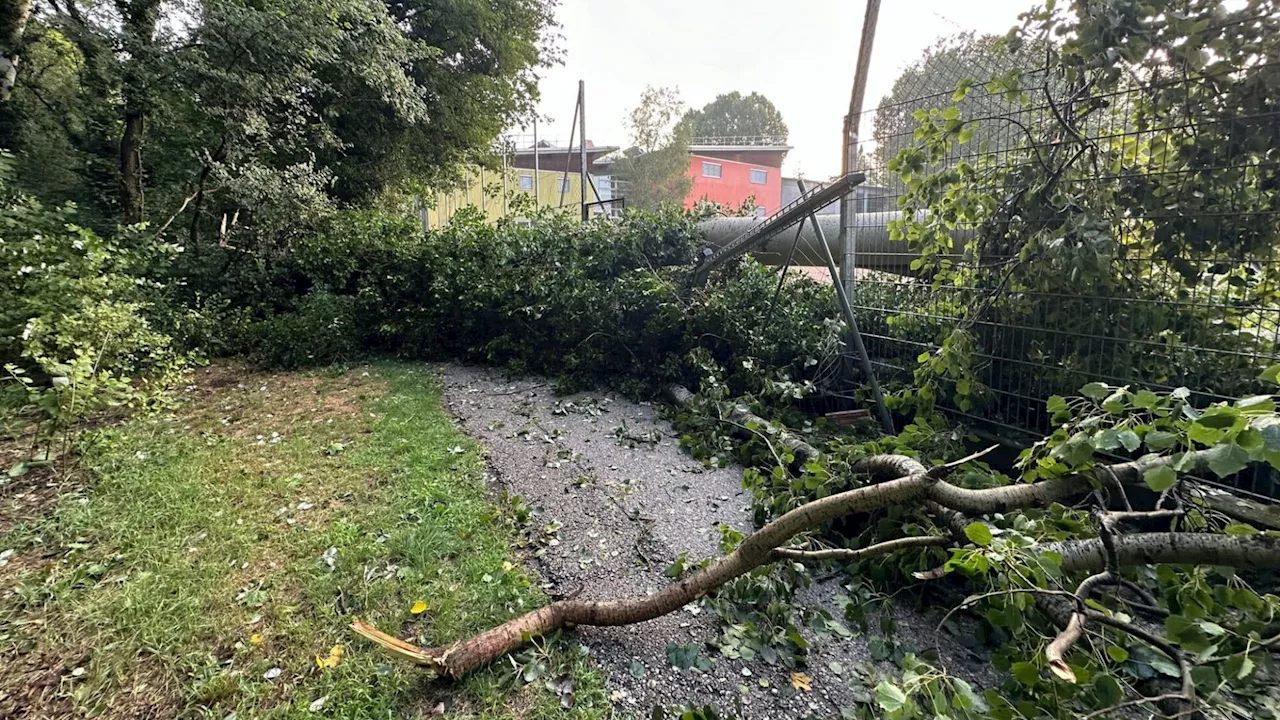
pixel 616 501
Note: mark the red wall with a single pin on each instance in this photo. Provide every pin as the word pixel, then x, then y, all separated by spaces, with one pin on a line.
pixel 734 184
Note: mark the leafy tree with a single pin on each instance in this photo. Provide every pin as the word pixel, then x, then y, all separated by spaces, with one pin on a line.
pixel 1142 173
pixel 244 110
pixel 737 115
pixel 654 170
pixel 931 82
pixel 13 23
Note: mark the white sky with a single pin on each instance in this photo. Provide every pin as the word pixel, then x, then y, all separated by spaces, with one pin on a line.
pixel 798 53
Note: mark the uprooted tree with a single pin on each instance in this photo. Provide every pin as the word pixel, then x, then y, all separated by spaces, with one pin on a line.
pixel 1135 561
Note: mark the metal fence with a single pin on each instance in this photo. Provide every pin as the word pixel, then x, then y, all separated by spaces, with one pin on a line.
pixel 1207 321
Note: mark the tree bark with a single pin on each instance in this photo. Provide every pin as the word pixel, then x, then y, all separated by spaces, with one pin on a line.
pixel 13 25
pixel 140 19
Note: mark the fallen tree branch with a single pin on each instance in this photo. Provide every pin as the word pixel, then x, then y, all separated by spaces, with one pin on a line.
pixel 1253 551
pixel 849 555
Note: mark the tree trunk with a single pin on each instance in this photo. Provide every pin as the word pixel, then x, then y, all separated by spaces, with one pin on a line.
pixel 13 24
pixel 140 18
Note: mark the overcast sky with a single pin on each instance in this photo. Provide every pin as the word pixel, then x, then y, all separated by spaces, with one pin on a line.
pixel 798 53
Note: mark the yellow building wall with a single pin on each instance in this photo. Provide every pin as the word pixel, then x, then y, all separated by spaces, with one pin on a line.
pixel 483 190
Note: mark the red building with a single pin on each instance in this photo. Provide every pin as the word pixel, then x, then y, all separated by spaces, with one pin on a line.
pixel 729 174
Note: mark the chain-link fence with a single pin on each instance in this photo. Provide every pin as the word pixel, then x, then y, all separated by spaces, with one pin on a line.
pixel 1143 261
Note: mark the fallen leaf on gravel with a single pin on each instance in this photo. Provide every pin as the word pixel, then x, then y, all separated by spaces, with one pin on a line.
pixel 418 608
pixel 800 681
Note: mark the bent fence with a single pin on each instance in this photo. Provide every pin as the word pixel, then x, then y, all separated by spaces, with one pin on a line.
pixel 1101 241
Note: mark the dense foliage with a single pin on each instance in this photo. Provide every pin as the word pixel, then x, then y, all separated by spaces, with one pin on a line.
pixel 209 109
pixel 1129 229
pixel 80 329
pixel 654 171
pixel 734 115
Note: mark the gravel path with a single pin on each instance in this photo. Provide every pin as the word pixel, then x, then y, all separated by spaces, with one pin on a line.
pixel 616 501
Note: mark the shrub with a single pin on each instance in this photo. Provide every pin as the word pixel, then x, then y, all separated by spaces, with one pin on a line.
pixel 76 334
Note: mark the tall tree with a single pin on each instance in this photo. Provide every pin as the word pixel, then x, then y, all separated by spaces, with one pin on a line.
pixel 234 107
pixel 737 115
pixel 13 23
pixel 654 170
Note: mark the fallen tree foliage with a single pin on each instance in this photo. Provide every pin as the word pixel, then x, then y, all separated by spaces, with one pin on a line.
pixel 1140 513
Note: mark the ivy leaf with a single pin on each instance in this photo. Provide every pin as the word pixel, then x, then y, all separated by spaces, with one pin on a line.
pixel 1227 459
pixel 1117 653
pixel 1158 440
pixel 890 697
pixel 979 533
pixel 1160 478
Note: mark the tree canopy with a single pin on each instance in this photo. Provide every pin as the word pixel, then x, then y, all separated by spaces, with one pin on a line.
pixel 654 170
pixel 138 108
pixel 737 115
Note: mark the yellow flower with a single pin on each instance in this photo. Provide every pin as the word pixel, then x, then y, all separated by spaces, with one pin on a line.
pixel 418 608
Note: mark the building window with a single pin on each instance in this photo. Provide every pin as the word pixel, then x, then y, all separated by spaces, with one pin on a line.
pixel 526 182
pixel 564 185
pixel 761 212
pixel 759 177
pixel 710 169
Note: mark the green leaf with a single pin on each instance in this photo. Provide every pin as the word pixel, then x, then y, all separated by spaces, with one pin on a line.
pixel 1108 689
pixel 1271 375
pixel 1271 437
pixel 1145 399
pixel 1236 529
pixel 979 533
pixel 682 656
pixel 965 697
pixel 1027 673
pixel 1094 391
pixel 1130 440
pixel 1056 404
pixel 890 697
pixel 1160 478
pixel 1219 417
pixel 1227 459
pixel 1158 440
pixel 1117 653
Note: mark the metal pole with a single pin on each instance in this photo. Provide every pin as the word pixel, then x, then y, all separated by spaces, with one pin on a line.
pixel 864 360
pixel 504 179
pixel 582 145
pixel 848 239
pixel 537 173
pixel 568 155
pixel 483 200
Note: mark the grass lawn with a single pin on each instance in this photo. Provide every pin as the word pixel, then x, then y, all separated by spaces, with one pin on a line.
pixel 208 562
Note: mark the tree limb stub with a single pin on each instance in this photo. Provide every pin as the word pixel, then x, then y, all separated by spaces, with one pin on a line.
pixel 916 488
